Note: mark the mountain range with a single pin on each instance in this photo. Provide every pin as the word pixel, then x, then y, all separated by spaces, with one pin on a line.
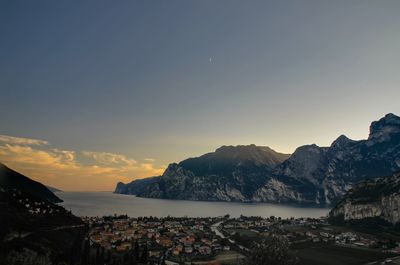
pixel 229 174
pixel 311 175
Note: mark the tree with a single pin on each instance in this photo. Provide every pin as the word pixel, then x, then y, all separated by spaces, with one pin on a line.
pixel 97 255
pixel 136 251
pixel 273 250
pixel 144 256
pixel 86 252
pixel 101 257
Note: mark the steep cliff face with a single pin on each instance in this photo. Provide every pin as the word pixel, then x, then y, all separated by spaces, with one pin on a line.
pixel 379 198
pixel 311 175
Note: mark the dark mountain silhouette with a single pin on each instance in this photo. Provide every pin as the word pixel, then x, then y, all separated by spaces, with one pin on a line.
pixel 12 180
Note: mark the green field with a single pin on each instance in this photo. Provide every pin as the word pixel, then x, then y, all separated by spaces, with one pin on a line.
pixel 243 232
pixel 330 254
pixel 224 258
pixel 229 257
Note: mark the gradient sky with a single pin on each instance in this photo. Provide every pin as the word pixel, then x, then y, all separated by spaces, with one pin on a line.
pixel 116 90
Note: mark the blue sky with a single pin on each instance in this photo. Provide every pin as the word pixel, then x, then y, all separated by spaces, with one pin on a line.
pixel 166 80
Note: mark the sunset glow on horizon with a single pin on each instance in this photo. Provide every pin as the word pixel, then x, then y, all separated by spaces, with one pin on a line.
pixel 72 170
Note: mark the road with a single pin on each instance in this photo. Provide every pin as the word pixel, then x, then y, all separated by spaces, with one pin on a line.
pixel 215 229
pixel 13 235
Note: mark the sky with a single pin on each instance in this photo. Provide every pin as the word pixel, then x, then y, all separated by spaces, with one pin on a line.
pixel 95 92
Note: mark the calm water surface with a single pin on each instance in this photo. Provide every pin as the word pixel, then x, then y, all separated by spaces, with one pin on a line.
pixel 106 203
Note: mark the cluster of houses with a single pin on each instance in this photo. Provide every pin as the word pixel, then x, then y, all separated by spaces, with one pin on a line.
pixel 341 238
pixel 33 205
pixel 175 238
pixel 183 239
pixel 260 224
pixel 349 238
pixel 354 239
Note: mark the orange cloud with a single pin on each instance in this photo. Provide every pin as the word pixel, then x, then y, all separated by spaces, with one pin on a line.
pixel 21 140
pixel 63 169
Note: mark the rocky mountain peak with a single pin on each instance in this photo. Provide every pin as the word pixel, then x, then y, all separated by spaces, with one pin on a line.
pixel 232 156
pixel 341 142
pixel 384 128
pixel 244 152
pixel 229 150
pixel 171 168
pixel 311 148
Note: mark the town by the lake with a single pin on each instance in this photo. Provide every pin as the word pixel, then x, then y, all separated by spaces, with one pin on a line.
pixel 225 240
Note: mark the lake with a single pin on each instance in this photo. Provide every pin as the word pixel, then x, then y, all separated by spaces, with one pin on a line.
pixel 107 203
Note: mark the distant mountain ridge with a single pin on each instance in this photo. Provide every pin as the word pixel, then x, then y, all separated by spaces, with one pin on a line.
pixel 52 189
pixel 10 180
pixel 311 175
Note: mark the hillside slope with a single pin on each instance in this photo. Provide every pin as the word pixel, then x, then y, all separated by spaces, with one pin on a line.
pixel 34 230
pixel 10 180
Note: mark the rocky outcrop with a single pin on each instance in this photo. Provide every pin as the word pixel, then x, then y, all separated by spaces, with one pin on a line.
pixel 277 191
pixel 311 175
pixel 137 186
pixel 379 198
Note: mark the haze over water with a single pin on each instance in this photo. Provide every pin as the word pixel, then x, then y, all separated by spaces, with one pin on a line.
pixel 108 203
